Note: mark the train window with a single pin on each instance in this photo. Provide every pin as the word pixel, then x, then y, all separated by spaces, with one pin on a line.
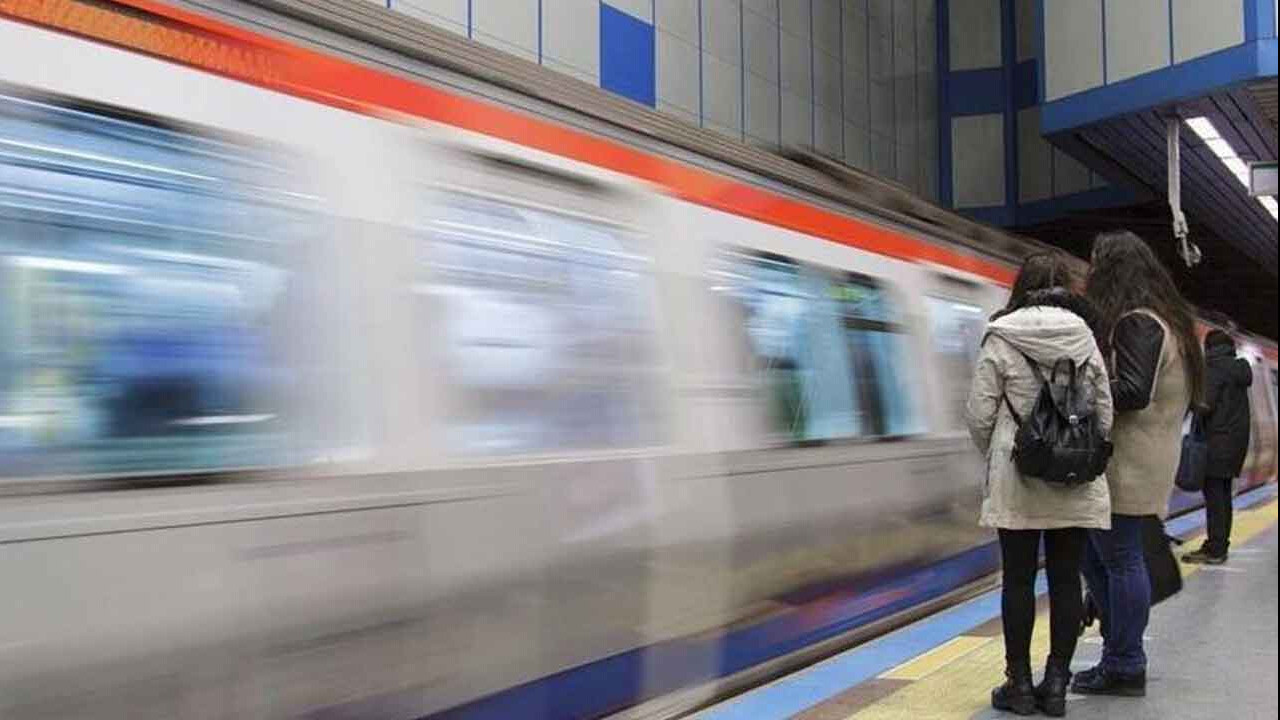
pixel 548 332
pixel 956 333
pixel 141 286
pixel 827 350
pixel 878 355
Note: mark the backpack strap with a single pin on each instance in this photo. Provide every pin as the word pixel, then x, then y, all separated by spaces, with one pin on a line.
pixel 1017 419
pixel 1035 369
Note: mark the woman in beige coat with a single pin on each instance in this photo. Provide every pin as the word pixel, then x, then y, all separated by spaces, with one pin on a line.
pixel 1043 323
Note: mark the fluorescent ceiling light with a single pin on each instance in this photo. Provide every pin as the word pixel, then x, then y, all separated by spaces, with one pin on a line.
pixel 1203 127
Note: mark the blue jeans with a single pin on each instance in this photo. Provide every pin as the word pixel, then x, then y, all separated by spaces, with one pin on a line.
pixel 1116 572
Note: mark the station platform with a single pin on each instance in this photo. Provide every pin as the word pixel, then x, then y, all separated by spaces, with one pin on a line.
pixel 1212 649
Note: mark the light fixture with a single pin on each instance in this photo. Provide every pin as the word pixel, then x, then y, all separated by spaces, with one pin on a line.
pixel 1218 145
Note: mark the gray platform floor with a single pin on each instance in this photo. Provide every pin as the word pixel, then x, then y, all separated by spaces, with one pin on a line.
pixel 1212 648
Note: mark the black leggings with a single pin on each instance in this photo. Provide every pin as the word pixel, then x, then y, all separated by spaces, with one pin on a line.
pixel 1063 550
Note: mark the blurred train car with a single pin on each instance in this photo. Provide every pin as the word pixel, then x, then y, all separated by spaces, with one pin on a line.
pixel 326 392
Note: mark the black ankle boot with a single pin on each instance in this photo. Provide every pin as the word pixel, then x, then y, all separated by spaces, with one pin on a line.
pixel 1051 693
pixel 1017 695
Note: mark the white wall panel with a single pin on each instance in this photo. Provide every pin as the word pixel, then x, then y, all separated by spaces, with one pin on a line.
pixel 796 64
pixel 721 93
pixel 797 119
pixel 855 65
pixel 826 26
pixel 856 147
pixel 927 96
pixel 1069 176
pixel 721 31
pixel 908 167
pixel 975 34
pixel 882 108
pixel 880 52
pixel 827 131
pixel 794 16
pixel 1201 27
pixel 448 14
pixel 676 72
pixel 883 154
pixel 762 109
pixel 906 116
pixel 761 39
pixel 1073 46
pixel 1137 37
pixel 638 9
pixel 826 80
pixel 977 168
pixel 510 25
pixel 678 17
pixel 904 39
pixel 767 9
pixel 564 44
pixel 1035 169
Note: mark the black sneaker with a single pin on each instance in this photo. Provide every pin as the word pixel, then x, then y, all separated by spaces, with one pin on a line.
pixel 1203 556
pixel 1100 681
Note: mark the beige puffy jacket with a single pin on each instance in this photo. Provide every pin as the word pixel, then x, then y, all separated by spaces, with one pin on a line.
pixel 1045 334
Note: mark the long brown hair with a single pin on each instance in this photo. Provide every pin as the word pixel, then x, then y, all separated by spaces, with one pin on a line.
pixel 1046 278
pixel 1040 271
pixel 1124 276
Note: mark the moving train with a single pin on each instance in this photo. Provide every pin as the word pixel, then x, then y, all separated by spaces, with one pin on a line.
pixel 332 388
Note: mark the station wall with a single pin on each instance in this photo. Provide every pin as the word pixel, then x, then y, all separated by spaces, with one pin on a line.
pixel 853 79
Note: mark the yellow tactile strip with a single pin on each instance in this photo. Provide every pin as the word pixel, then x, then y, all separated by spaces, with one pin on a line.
pixel 925 665
pixel 954 680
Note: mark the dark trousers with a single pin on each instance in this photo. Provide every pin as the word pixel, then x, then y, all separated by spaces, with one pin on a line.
pixel 1116 570
pixel 1218 510
pixel 1019 551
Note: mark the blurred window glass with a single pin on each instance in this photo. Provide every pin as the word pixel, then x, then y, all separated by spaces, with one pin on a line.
pixel 545 325
pixel 829 357
pixel 956 333
pixel 878 345
pixel 141 285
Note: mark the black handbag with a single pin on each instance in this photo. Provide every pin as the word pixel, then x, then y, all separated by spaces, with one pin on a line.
pixel 1195 456
pixel 1163 571
pixel 1162 567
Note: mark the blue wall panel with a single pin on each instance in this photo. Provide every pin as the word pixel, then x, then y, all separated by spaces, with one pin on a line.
pixel 627 56
pixel 976 92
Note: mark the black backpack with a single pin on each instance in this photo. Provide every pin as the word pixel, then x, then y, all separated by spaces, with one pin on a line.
pixel 1060 441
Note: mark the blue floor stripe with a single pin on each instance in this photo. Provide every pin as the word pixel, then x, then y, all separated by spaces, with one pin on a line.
pixel 813 685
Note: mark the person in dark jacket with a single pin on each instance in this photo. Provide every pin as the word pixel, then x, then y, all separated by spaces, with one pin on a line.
pixel 1226 422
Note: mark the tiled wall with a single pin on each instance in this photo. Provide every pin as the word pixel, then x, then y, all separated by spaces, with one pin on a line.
pixel 1000 164
pixel 1090 43
pixel 854 79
